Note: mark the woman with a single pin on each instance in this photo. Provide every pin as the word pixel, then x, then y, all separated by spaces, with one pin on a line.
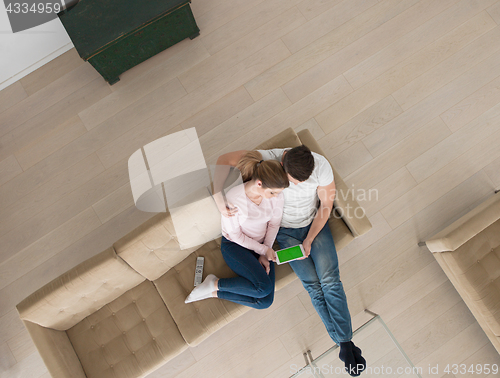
pixel 247 237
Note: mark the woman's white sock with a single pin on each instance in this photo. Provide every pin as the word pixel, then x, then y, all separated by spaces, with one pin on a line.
pixel 203 290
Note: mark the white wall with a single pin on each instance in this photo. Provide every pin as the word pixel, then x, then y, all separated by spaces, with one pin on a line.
pixel 24 52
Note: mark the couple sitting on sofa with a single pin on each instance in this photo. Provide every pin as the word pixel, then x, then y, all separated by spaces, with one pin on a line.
pixel 281 188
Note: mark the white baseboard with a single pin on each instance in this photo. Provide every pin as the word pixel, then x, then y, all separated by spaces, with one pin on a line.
pixel 36 65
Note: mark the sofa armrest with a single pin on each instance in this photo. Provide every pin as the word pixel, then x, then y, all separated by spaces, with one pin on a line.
pixel 344 203
pixel 465 228
pixel 56 351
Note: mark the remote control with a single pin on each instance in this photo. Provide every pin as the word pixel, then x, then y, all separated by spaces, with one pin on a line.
pixel 198 273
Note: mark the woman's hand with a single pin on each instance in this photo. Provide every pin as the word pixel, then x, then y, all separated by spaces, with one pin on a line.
pixel 265 263
pixel 270 254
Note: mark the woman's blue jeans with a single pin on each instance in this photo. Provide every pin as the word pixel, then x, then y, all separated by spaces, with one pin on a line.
pixel 253 287
pixel 319 274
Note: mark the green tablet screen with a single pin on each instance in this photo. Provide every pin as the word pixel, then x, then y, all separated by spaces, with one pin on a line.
pixel 289 253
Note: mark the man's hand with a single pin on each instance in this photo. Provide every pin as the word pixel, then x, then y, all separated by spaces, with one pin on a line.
pixel 227 209
pixel 270 254
pixel 222 169
pixel 326 195
pixel 306 244
pixel 265 263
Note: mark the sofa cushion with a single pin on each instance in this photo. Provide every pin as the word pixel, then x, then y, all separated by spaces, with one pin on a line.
pixel 166 239
pixel 196 220
pixel 198 320
pixel 152 248
pixel 476 267
pixel 79 292
pixel 129 337
pixel 283 275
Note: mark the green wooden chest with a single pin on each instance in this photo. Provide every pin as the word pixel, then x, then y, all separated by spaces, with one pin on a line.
pixel 115 36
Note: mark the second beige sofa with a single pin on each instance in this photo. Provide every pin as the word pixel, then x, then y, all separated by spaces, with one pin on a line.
pixel 468 251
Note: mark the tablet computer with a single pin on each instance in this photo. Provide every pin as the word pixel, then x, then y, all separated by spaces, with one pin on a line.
pixel 289 254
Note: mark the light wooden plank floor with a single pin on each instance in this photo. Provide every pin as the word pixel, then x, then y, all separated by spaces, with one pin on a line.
pixel 403 95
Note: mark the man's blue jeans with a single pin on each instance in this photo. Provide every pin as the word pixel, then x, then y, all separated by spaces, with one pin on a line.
pixel 253 287
pixel 319 274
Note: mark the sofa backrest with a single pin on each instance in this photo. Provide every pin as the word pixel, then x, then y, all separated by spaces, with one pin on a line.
pixel 153 248
pixel 467 227
pixel 79 292
pixel 285 139
pixel 347 208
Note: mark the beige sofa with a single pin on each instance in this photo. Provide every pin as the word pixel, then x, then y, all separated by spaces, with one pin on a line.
pixel 122 314
pixel 469 253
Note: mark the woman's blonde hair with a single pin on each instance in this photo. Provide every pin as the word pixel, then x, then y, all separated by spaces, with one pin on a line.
pixel 270 172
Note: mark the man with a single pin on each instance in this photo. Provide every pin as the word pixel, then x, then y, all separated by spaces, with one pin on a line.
pixel 308 205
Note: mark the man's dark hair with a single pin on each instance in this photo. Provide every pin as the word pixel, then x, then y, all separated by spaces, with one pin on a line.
pixel 299 163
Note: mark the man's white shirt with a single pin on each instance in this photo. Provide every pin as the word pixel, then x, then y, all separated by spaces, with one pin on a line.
pixel 301 200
